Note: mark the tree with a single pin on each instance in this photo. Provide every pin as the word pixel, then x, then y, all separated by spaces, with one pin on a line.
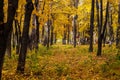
pixel 91 26
pixel 48 32
pixel 64 35
pixel 75 22
pixel 37 24
pixel 8 49
pixel 101 27
pixel 118 28
pixel 6 29
pixel 17 34
pixel 25 36
pixel 2 37
pixel 12 7
pixel 52 30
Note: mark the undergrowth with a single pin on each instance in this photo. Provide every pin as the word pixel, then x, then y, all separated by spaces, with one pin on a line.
pixel 63 62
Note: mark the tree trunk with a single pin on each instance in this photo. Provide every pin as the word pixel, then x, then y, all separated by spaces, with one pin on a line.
pixel 100 31
pixel 2 37
pixel 68 35
pixel 52 29
pixel 5 29
pixel 110 30
pixel 37 24
pixel 48 33
pixel 104 38
pixel 75 23
pixel 64 36
pixel 91 26
pixel 3 42
pixel 55 39
pixel 37 33
pixel 12 6
pixel 8 48
pixel 118 29
pixel 42 37
pixel 23 51
pixel 18 36
pixel 75 30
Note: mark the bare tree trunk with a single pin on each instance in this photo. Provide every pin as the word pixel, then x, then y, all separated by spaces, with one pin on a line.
pixel 55 37
pixel 43 31
pixel 104 38
pixel 5 29
pixel 52 29
pixel 3 42
pixel 23 51
pixel 2 37
pixel 37 33
pixel 110 29
pixel 18 36
pixel 75 22
pixel 75 30
pixel 68 35
pixel 48 33
pixel 118 29
pixel 37 24
pixel 91 26
pixel 101 31
pixel 64 35
pixel 100 28
pixel 8 48
pixel 12 6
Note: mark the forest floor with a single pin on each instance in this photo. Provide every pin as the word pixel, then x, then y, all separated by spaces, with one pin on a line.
pixel 63 62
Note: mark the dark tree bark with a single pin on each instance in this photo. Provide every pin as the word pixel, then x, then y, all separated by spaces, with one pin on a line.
pixel 37 24
pixel 43 31
pixel 52 29
pixel 75 31
pixel 18 36
pixel 118 29
pixel 48 33
pixel 37 33
pixel 91 26
pixel 75 23
pixel 104 38
pixel 68 30
pixel 25 36
pixel 12 6
pixel 100 28
pixel 101 31
pixel 64 36
pixel 110 28
pixel 55 39
pixel 5 29
pixel 43 28
pixel 98 18
pixel 3 42
pixel 8 48
pixel 2 37
pixel 68 34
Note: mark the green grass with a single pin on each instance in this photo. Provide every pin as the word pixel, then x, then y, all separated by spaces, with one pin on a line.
pixel 63 62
